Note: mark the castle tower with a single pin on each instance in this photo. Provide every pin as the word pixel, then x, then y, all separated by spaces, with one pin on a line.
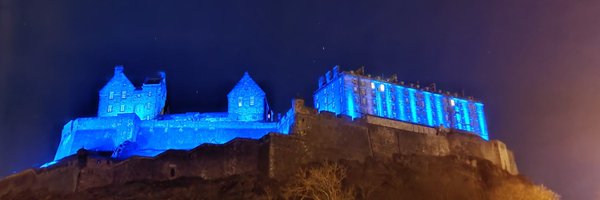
pixel 120 96
pixel 246 101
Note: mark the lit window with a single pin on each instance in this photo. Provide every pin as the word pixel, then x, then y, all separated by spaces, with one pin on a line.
pixel 251 101
pixel 452 102
pixel 111 95
pixel 123 94
pixel 122 108
pixel 372 85
pixel 381 88
pixel 240 101
pixel 109 108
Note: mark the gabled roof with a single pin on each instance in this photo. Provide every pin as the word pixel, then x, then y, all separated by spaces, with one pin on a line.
pixel 246 87
pixel 119 80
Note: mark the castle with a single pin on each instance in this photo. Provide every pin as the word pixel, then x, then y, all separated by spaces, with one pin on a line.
pixel 356 118
pixel 130 120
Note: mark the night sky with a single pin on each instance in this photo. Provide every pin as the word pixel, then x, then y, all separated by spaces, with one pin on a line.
pixel 535 64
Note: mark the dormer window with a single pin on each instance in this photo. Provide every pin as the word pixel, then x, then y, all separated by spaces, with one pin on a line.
pixel 111 95
pixel 123 94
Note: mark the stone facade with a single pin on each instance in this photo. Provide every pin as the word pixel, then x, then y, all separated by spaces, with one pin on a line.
pixel 355 94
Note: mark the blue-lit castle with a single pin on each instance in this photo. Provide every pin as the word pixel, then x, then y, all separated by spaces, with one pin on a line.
pixel 131 121
pixel 355 117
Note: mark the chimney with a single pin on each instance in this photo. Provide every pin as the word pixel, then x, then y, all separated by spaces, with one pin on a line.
pixel 162 75
pixel 119 69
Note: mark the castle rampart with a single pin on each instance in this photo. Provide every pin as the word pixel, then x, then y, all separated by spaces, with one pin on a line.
pixel 313 137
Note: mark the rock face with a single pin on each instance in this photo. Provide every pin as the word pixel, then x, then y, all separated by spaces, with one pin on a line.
pixel 403 177
pixel 402 158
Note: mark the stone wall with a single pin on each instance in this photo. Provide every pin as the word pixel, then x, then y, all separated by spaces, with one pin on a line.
pixel 324 136
pixel 208 161
pixel 313 137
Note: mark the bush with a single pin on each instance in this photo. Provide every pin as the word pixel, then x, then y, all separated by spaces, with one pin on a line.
pixel 319 183
pixel 508 191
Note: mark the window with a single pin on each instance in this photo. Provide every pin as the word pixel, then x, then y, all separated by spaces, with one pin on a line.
pixel 147 106
pixel 122 107
pixel 372 85
pixel 123 94
pixel 150 93
pixel 239 101
pixel 251 100
pixel 109 108
pixel 111 95
pixel 452 102
pixel 381 87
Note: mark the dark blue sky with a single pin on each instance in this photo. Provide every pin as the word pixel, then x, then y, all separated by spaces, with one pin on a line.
pixel 535 64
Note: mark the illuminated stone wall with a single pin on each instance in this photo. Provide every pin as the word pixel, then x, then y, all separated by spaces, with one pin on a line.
pixel 130 123
pixel 316 136
pixel 354 94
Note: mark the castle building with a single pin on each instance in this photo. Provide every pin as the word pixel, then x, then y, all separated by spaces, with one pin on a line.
pixel 130 120
pixel 120 96
pixel 354 94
